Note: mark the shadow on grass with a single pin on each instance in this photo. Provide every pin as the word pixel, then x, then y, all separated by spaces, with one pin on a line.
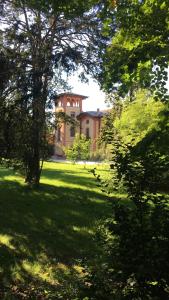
pixel 70 177
pixel 49 226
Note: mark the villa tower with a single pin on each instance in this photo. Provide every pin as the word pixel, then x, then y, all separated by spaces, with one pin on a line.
pixel 71 104
pixel 89 122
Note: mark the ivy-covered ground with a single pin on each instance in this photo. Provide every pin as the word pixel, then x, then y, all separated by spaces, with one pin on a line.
pixel 43 233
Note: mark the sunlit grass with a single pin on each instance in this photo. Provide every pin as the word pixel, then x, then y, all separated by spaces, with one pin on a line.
pixel 45 232
pixel 6 241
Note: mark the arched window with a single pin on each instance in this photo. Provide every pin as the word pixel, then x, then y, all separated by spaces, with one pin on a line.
pixel 68 102
pixel 87 133
pixel 72 131
pixel 58 135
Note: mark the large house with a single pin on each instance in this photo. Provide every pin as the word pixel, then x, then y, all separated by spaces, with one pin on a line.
pixel 89 122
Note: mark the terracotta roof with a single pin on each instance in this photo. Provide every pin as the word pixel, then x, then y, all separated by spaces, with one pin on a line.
pixel 95 114
pixel 71 94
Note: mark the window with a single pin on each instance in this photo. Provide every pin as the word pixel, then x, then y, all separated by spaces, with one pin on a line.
pixel 87 121
pixel 59 135
pixel 72 131
pixel 72 103
pixel 87 133
pixel 72 114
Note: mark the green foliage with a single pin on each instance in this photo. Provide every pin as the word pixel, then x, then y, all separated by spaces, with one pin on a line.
pixel 139 117
pixel 136 54
pixel 134 242
pixel 108 130
pixel 143 125
pixel 80 150
pixel 6 70
pixel 102 152
pixel 133 263
pixel 70 9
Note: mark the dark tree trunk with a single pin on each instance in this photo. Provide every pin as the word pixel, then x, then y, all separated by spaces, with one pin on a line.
pixel 38 123
pixel 33 170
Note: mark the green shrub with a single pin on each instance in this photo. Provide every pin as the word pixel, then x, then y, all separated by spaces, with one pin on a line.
pixel 80 150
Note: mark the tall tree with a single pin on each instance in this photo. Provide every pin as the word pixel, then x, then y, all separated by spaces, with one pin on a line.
pixel 42 38
pixel 136 54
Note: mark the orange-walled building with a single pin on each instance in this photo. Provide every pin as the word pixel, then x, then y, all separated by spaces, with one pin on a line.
pixel 89 122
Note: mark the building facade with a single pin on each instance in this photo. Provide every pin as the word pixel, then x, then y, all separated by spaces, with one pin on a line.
pixel 89 122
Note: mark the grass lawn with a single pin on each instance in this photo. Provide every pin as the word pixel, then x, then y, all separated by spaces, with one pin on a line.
pixel 43 232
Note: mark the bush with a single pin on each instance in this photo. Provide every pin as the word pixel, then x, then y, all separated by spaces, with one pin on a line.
pixel 134 242
pixel 80 149
pixel 133 263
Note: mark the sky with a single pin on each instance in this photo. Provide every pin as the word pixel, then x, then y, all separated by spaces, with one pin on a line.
pixel 95 98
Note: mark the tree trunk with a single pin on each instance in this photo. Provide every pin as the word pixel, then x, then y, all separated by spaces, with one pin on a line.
pixel 38 121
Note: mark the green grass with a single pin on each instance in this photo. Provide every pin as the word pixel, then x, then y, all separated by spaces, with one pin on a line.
pixel 43 232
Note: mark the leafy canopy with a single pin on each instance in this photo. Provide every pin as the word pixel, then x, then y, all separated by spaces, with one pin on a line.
pixel 137 50
pixel 139 117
